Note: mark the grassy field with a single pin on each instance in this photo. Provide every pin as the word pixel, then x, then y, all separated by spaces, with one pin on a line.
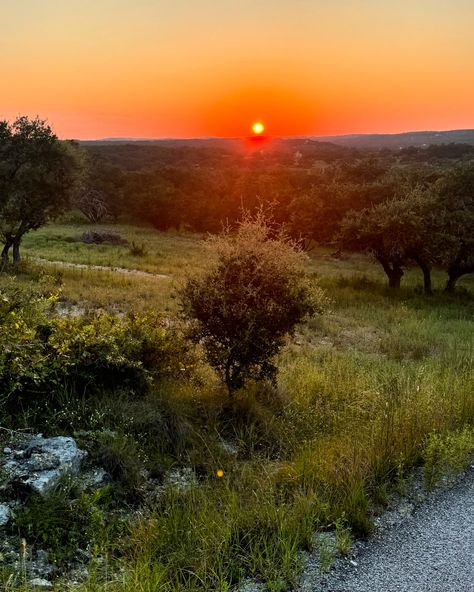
pixel 381 383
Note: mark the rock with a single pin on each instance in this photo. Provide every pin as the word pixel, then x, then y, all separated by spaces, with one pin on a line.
pixel 95 478
pixel 78 575
pixel 41 567
pixel 41 583
pixel 5 514
pixel 181 479
pixel 229 448
pixel 94 237
pixel 41 461
pixel 249 585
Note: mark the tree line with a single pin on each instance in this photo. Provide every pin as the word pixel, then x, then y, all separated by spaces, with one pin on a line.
pixel 413 206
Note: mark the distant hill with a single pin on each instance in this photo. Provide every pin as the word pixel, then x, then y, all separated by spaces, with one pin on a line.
pixel 401 140
pixel 375 141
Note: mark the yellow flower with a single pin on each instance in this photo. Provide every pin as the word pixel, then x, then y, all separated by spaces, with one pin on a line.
pixel 220 473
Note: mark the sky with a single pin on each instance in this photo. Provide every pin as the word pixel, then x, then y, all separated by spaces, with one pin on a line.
pixel 193 68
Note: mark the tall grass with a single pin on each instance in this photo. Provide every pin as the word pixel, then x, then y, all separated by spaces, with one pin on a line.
pixel 380 384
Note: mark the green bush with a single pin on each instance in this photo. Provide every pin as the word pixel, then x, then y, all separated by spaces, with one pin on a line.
pixel 62 520
pixel 120 457
pixel 446 455
pixel 253 294
pixel 42 356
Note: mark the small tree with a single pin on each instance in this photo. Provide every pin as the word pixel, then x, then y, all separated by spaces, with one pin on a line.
pixel 395 232
pixel 453 224
pixel 253 294
pixel 38 176
pixel 91 204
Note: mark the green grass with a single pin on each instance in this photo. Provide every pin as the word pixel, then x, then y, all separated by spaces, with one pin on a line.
pixel 165 253
pixel 379 384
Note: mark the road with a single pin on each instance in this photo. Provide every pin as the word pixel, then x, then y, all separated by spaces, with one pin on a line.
pixel 432 550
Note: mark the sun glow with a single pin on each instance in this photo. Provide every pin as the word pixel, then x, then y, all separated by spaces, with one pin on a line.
pixel 258 128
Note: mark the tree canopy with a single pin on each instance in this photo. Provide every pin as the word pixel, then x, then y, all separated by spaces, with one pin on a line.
pixel 38 176
pixel 254 293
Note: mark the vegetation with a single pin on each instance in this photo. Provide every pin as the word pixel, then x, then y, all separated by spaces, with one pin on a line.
pixel 205 492
pixel 249 300
pixel 38 176
pixel 364 393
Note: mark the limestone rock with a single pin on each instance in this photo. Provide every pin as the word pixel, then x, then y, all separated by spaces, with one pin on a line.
pixel 40 462
pixel 5 514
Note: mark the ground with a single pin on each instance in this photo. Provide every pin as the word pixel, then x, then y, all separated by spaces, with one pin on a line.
pixel 361 389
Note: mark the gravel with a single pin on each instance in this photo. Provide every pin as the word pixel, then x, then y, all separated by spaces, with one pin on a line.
pixel 431 550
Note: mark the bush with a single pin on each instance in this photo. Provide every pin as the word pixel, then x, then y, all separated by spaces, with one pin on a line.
pixel 120 457
pixel 137 249
pixel 42 357
pixel 252 295
pixel 62 520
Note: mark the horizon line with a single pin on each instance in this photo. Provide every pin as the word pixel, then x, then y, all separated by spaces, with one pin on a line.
pixel 296 136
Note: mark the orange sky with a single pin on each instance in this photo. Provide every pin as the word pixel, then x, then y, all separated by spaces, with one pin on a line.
pixel 186 68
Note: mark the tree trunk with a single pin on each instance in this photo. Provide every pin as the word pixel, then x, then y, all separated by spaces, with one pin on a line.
pixel 394 272
pixel 395 275
pixel 228 377
pixel 426 270
pixel 427 281
pixel 5 250
pixel 455 272
pixel 451 283
pixel 16 252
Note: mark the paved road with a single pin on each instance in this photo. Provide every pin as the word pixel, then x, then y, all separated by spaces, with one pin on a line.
pixel 431 551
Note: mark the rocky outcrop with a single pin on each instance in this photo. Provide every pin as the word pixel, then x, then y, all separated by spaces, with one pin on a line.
pixel 38 463
pixel 5 514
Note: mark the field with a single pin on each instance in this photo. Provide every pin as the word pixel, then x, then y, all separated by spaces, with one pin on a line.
pixel 380 383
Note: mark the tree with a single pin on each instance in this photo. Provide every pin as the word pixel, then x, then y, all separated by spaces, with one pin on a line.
pixel 38 176
pixel 395 232
pixel 91 203
pixel 252 294
pixel 453 225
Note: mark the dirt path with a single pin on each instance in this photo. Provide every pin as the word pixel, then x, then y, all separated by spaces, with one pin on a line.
pixel 102 268
pixel 431 551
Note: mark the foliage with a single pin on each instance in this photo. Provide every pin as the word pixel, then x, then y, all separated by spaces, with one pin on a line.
pixel 250 298
pixel 453 223
pixel 394 232
pixel 447 454
pixel 38 177
pixel 120 458
pixel 42 356
pixel 64 520
pixel 360 391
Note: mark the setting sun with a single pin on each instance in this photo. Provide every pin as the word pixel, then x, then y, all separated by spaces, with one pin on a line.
pixel 258 128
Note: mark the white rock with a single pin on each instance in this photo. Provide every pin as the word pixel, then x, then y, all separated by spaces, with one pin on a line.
pixel 41 463
pixel 5 514
pixel 41 583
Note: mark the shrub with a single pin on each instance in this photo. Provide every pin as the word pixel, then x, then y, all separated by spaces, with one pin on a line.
pixel 446 455
pixel 62 520
pixel 42 357
pixel 120 457
pixel 252 295
pixel 137 249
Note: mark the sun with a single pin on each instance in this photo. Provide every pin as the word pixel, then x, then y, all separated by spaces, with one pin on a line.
pixel 258 128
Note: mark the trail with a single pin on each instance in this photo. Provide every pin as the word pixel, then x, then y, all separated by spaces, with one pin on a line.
pixel 431 551
pixel 102 268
